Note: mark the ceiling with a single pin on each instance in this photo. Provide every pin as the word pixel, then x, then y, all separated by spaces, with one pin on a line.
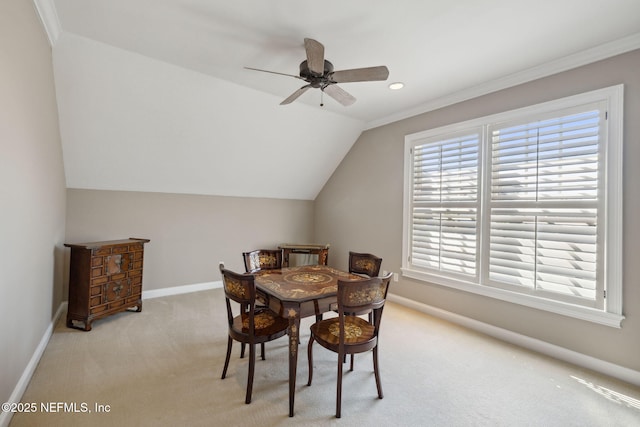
pixel 443 51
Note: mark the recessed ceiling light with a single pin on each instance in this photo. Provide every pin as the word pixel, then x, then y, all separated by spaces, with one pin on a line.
pixel 396 85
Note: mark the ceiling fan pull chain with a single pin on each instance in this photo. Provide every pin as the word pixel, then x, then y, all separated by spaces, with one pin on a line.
pixel 322 98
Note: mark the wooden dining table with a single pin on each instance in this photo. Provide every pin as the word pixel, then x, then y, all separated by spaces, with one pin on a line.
pixel 296 293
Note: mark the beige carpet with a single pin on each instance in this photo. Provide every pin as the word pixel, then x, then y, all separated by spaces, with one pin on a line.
pixel 162 367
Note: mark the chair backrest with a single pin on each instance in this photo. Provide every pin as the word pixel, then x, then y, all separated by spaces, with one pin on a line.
pixel 361 263
pixel 240 288
pixel 262 259
pixel 362 295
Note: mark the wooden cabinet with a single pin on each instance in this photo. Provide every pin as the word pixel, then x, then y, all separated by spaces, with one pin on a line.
pixel 104 278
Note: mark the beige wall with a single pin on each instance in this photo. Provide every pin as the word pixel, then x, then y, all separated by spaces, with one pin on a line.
pixel 360 208
pixel 32 195
pixel 189 234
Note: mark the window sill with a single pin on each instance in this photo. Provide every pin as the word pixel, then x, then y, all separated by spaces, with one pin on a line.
pixel 569 310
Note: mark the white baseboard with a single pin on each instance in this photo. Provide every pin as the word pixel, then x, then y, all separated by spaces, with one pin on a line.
pixel 177 290
pixel 23 382
pixel 557 352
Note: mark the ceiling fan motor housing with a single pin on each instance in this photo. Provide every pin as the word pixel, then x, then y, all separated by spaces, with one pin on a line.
pixel 313 78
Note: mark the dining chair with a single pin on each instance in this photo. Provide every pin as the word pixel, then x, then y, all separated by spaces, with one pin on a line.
pixel 262 259
pixel 364 264
pixel 252 325
pixel 347 334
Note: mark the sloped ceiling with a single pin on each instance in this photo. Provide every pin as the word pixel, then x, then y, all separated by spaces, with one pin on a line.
pixel 153 96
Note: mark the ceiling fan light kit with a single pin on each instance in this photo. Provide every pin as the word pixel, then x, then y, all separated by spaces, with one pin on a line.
pixel 319 74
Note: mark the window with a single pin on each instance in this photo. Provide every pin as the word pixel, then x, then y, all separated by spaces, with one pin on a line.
pixel 524 206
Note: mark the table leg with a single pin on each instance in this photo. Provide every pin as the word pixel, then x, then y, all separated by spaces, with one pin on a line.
pixel 294 334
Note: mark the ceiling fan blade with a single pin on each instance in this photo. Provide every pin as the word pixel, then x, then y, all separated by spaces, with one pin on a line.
pixel 360 74
pixel 337 93
pixel 315 56
pixel 295 95
pixel 274 72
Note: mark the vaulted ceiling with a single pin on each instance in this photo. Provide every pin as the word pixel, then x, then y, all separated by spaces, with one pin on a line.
pixel 153 94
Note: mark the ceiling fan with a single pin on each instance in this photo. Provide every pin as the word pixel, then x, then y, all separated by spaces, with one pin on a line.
pixel 319 73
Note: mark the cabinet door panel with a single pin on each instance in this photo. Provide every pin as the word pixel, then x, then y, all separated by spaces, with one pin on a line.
pixel 113 263
pixel 115 290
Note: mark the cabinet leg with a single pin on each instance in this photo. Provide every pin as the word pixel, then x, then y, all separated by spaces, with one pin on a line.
pixel 87 325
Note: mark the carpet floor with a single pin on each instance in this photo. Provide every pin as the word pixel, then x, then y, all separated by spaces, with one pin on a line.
pixel 162 367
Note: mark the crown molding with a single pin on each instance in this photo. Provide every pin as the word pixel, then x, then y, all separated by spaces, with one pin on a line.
pixel 49 17
pixel 579 59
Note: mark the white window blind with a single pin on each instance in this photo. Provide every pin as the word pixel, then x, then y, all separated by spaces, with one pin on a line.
pixel 538 169
pixel 523 206
pixel 445 204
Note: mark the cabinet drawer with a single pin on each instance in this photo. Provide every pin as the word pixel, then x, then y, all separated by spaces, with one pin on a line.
pixel 116 304
pixel 135 274
pixel 133 300
pixel 101 251
pixel 138 247
pixel 98 281
pixel 119 276
pixel 98 309
pixel 120 249
pixel 136 290
pixel 97 271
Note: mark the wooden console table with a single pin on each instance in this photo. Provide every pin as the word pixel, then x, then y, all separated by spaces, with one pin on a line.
pixel 289 248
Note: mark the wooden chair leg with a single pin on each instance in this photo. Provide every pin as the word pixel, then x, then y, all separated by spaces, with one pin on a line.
pixel 226 360
pixel 351 368
pixel 310 357
pixel 339 390
pixel 252 365
pixel 262 350
pixel 376 371
pixel 242 346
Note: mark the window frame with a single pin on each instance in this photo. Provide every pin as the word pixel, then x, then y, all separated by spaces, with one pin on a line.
pixel 611 209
